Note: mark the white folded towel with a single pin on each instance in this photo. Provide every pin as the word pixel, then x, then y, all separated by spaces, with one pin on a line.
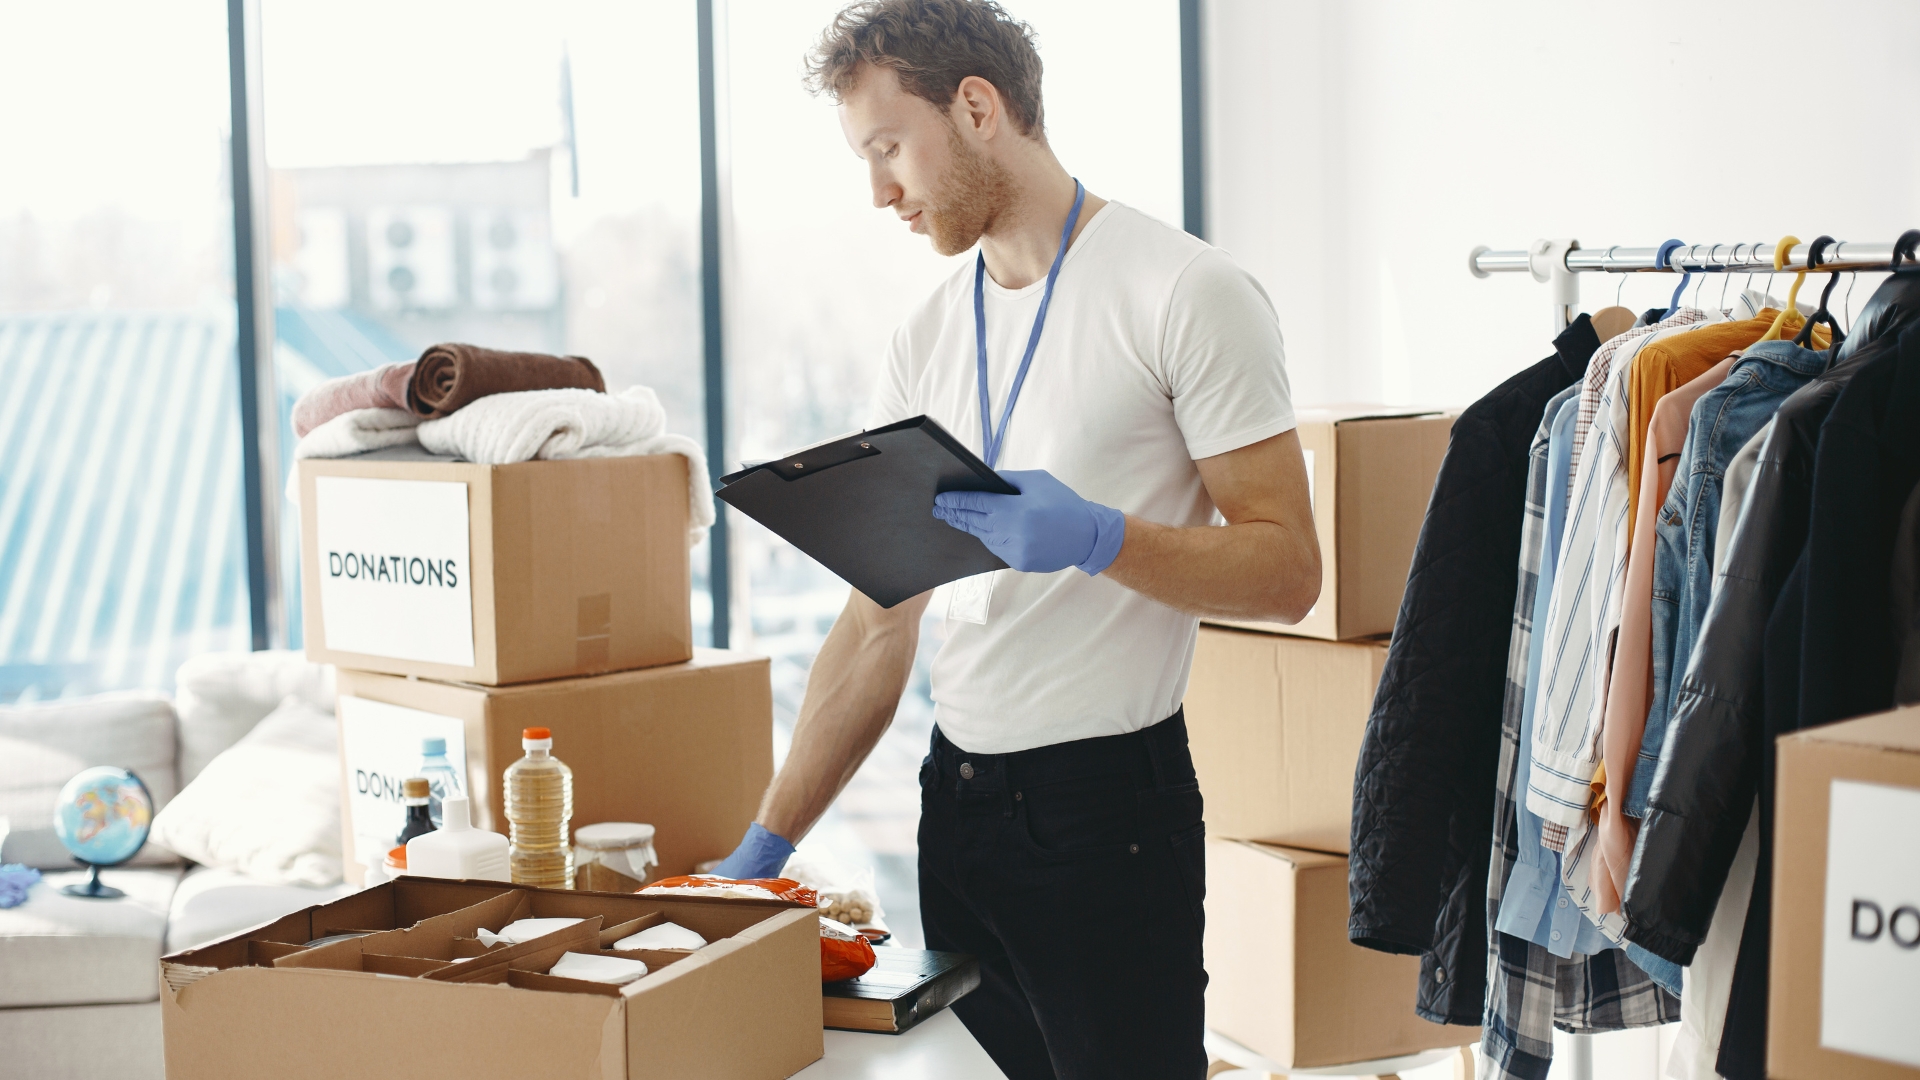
pixel 664 936
pixel 501 429
pixel 504 429
pixel 357 432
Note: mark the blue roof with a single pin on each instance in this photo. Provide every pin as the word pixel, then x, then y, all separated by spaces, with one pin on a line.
pixel 122 546
pixel 122 527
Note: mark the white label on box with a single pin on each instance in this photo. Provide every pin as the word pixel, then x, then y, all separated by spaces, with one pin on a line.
pixel 394 568
pixel 1308 454
pixel 1870 957
pixel 380 747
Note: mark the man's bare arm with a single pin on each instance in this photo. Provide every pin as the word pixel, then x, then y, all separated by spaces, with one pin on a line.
pixel 1263 564
pixel 852 692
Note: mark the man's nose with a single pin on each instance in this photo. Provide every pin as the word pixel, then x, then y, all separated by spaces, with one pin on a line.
pixel 885 191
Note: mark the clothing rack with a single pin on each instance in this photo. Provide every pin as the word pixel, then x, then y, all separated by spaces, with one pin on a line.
pixel 1555 262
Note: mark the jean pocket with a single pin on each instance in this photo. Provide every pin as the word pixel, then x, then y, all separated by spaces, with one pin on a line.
pixel 1080 818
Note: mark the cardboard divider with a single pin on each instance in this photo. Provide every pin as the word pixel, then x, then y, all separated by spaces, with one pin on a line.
pixel 410 966
pixel 534 980
pixel 538 954
pixel 614 933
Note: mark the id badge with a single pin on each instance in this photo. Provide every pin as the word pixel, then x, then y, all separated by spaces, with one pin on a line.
pixel 971 598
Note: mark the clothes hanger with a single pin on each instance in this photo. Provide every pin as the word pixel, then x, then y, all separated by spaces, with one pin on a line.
pixel 1821 314
pixel 1894 305
pixel 1780 252
pixel 1852 280
pixel 1611 322
pixel 1660 262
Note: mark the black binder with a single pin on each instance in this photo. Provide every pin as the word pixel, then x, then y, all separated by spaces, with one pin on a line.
pixel 863 506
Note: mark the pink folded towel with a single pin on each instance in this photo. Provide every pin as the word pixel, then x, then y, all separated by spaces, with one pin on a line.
pixel 381 388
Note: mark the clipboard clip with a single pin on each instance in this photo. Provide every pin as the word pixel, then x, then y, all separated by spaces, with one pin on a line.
pixel 818 459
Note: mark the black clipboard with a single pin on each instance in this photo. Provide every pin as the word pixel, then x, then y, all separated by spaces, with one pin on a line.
pixel 862 506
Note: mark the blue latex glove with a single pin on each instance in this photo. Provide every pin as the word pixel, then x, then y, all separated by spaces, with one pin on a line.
pixel 15 881
pixel 1043 529
pixel 761 854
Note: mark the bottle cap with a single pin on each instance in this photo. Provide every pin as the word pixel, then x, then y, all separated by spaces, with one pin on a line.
pixel 416 787
pixel 429 747
pixel 397 858
pixel 455 815
pixel 536 738
pixel 536 733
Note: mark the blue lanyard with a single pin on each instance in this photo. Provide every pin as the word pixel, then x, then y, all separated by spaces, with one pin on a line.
pixel 989 441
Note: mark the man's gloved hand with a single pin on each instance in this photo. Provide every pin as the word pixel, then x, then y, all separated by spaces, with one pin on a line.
pixel 761 854
pixel 1044 528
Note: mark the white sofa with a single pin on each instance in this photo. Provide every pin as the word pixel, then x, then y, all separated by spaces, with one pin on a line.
pixel 79 979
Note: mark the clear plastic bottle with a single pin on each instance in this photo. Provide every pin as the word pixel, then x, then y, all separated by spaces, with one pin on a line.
pixel 539 798
pixel 442 778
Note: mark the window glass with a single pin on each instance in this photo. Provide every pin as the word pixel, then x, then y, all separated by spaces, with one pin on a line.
pixel 122 547
pixel 821 279
pixel 511 175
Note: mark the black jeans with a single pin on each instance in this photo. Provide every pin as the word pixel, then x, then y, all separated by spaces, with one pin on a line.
pixel 1075 872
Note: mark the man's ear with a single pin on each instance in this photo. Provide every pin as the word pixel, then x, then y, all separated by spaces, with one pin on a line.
pixel 977 107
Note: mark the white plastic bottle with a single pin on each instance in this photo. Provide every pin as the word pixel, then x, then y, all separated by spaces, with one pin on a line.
pixel 457 849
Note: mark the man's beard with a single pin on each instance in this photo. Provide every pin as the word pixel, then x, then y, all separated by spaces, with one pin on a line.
pixel 970 195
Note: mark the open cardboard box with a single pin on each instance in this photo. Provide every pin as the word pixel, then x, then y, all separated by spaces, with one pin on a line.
pixel 421 987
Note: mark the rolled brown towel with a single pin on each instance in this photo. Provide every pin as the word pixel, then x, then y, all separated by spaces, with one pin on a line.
pixel 450 376
pixel 384 387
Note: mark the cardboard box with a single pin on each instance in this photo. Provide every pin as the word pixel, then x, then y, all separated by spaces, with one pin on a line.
pixel 495 574
pixel 1275 725
pixel 1284 980
pixel 258 1003
pixel 1370 470
pixel 1846 901
pixel 686 748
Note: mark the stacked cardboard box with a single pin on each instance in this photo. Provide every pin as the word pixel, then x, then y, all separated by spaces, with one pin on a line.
pixel 1276 714
pixel 472 601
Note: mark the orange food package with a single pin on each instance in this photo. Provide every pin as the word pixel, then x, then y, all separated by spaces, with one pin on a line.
pixel 844 952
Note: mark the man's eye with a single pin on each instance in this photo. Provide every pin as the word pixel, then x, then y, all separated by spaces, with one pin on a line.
pixel 893 151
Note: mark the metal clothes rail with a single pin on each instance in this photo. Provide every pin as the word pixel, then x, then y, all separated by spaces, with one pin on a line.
pixel 1556 262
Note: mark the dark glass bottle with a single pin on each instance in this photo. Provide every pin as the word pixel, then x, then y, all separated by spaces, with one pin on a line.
pixel 419 795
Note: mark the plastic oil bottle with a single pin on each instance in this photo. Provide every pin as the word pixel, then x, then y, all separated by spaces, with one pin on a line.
pixel 539 798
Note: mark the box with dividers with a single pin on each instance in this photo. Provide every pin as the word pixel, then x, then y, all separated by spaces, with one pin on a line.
pixel 417 983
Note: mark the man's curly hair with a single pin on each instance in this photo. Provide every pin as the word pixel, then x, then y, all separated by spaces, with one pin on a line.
pixel 932 45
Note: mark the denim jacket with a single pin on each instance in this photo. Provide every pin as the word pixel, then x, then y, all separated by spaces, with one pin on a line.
pixel 1723 420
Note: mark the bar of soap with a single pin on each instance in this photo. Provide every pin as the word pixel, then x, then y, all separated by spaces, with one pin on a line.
pixel 586 967
pixel 664 936
pixel 522 930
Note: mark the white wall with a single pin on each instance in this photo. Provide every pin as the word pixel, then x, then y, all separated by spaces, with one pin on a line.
pixel 1359 150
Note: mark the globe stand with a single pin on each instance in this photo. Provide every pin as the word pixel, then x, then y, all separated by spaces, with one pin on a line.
pixel 93 888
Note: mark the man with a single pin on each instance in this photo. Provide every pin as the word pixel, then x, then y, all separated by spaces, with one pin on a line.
pixel 1060 835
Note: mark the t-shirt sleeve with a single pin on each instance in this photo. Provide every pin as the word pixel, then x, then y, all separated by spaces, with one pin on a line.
pixel 1223 360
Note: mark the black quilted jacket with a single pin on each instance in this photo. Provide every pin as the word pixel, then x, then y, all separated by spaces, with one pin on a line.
pixel 1423 793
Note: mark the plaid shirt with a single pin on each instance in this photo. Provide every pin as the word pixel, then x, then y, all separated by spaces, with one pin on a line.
pixel 1529 990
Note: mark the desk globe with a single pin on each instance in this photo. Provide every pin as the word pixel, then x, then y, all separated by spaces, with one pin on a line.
pixel 103 818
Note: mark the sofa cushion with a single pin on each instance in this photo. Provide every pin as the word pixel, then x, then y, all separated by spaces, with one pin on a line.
pixel 220 696
pixel 42 746
pixel 67 950
pixel 268 807
pixel 84 1042
pixel 212 903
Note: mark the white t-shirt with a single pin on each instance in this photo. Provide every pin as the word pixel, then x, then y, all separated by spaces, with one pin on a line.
pixel 1158 350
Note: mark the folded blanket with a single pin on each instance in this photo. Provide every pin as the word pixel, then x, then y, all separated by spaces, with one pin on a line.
pixel 557 424
pixel 382 388
pixel 449 377
pixel 357 432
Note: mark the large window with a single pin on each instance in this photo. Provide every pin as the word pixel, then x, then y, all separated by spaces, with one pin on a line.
pixel 517 176
pixel 122 547
pixel 820 281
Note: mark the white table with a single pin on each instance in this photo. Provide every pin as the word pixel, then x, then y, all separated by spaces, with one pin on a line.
pixel 938 1048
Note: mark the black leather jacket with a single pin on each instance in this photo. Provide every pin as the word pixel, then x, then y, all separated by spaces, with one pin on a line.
pixel 1423 791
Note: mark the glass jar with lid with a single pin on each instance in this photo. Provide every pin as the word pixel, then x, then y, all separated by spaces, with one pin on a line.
pixel 624 847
